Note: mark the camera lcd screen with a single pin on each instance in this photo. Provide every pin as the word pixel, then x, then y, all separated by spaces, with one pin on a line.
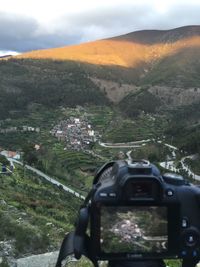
pixel 139 229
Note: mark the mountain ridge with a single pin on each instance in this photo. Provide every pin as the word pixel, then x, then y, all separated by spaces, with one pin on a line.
pixel 160 94
pixel 106 70
pixel 125 50
pixel 151 36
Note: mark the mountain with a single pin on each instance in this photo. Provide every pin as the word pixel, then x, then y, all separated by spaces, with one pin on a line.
pixel 130 50
pixel 160 36
pixel 163 65
pixel 117 66
pixel 137 86
pixel 149 57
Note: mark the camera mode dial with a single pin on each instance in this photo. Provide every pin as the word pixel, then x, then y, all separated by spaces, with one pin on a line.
pixel 191 237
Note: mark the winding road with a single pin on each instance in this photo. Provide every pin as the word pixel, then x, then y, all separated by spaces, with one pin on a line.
pixel 135 144
pixel 49 179
pixel 169 165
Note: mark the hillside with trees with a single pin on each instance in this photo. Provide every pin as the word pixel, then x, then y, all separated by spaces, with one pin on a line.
pixel 156 77
pixel 49 83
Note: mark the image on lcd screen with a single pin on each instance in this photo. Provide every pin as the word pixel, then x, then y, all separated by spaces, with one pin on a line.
pixel 134 230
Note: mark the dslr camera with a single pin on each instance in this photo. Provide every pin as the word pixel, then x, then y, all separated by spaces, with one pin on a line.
pixel 136 217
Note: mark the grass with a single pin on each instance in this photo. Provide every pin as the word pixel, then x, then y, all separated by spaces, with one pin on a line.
pixel 140 128
pixel 46 212
pixel 37 215
pixel 69 167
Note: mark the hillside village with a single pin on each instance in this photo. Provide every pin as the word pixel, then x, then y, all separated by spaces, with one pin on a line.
pixel 76 133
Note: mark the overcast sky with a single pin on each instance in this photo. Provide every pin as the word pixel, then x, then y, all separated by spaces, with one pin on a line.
pixel 36 24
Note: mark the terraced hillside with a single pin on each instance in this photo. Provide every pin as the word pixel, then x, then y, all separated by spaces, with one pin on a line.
pixel 36 217
pixel 138 86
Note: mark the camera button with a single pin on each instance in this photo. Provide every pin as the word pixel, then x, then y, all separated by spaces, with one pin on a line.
pixel 185 223
pixel 183 253
pixel 191 239
pixel 112 195
pixel 194 253
pixel 103 194
pixel 169 192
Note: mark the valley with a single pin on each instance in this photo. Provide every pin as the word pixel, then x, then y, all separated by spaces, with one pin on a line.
pixel 67 111
pixel 70 166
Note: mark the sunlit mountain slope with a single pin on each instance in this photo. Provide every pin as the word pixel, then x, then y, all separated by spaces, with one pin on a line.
pixel 130 50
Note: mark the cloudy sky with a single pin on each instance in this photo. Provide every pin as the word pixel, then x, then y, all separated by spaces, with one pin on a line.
pixel 37 24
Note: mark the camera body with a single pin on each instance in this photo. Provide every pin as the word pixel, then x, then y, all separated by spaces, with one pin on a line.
pixel 136 213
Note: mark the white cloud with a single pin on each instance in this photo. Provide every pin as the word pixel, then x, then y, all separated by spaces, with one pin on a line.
pixel 4 52
pixel 35 24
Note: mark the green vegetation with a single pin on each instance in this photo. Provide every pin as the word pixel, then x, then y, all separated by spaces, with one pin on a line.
pixel 46 82
pixel 123 129
pixel 184 126
pixel 173 263
pixel 34 214
pixel 178 70
pixel 4 263
pixel 3 160
pixel 118 74
pixel 40 93
pixel 70 167
pixel 142 101
pixel 100 117
pixel 38 117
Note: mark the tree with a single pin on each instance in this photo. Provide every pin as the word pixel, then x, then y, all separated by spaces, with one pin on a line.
pixel 153 157
pixel 4 160
pixel 4 263
pixel 29 156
